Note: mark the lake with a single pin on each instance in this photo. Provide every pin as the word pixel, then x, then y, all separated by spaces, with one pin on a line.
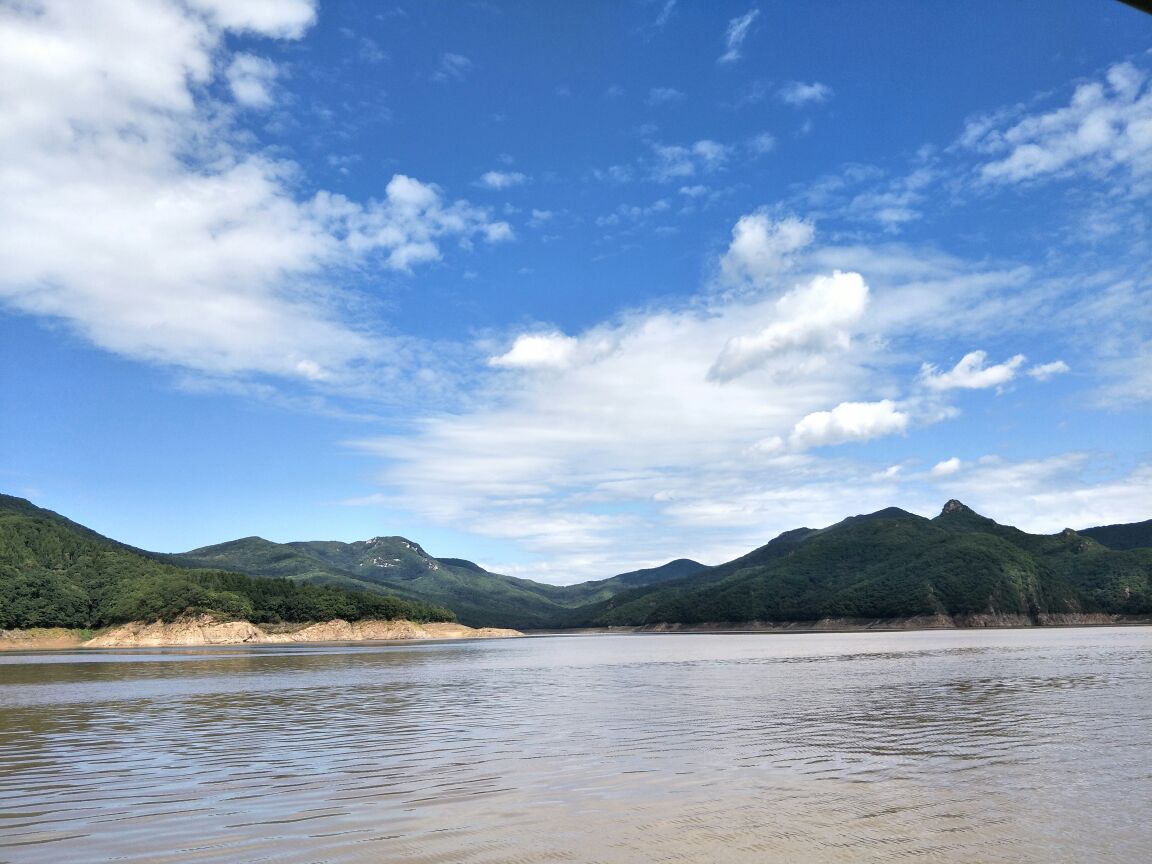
pixel 943 746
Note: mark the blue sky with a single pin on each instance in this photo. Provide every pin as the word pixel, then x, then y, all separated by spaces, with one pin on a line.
pixel 571 289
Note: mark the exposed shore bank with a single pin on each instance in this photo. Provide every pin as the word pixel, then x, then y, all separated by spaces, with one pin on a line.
pixel 204 630
pixel 856 625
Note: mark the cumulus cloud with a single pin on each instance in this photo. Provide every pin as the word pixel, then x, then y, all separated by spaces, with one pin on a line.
pixel 538 351
pixel 971 373
pixel 849 421
pixel 735 35
pixel 251 80
pixel 762 248
pixel 809 322
pixel 501 179
pixel 130 210
pixel 279 19
pixel 798 93
pixel 1106 125
pixel 946 468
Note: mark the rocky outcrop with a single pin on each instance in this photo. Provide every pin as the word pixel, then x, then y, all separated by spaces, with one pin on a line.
pixel 204 630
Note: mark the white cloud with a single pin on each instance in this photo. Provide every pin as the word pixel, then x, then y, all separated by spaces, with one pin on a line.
pixel 849 421
pixel 280 19
pixel 735 35
pixel 452 67
pixel 251 79
pixel 808 323
pixel 1106 125
pixel 675 162
pixel 664 96
pixel 799 94
pixel 501 179
pixel 1044 371
pixel 971 373
pixel 131 210
pixel 545 350
pixel 762 248
pixel 946 468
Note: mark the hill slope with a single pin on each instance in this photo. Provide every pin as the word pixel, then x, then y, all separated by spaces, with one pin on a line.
pixel 402 567
pixel 56 573
pixel 1135 535
pixel 893 564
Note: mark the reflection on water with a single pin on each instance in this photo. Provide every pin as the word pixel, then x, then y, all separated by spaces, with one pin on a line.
pixel 1013 746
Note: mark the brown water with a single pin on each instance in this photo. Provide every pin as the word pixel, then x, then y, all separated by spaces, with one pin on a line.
pixel 1013 745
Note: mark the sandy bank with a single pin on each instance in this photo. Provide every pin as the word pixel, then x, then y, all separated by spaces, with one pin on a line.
pixel 203 630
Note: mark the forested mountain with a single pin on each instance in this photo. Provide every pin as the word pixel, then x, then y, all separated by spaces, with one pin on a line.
pixel 55 573
pixel 893 564
pixel 888 564
pixel 1136 535
pixel 402 567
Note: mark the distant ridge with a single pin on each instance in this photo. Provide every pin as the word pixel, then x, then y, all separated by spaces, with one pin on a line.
pixel 1136 535
pixel 891 564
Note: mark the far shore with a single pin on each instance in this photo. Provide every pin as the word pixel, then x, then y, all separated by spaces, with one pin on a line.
pixel 205 630
pixel 860 625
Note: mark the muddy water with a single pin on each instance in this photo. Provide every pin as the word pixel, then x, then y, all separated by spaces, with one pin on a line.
pixel 1013 746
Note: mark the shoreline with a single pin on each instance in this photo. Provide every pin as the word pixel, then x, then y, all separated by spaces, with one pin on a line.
pixel 865 625
pixel 204 631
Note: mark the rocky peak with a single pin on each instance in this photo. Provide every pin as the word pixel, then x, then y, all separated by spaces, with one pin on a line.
pixel 955 506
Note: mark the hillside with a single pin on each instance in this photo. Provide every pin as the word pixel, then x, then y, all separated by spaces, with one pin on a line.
pixel 402 567
pixel 890 564
pixel 56 573
pixel 1136 535
pixel 893 564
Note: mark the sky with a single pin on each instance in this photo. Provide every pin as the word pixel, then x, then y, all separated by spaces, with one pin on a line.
pixel 570 289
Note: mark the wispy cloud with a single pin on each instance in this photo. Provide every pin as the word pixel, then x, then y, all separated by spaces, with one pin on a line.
pixel 971 373
pixel 452 67
pixel 735 35
pixel 664 96
pixel 799 94
pixel 1106 125
pixel 501 179
pixel 251 80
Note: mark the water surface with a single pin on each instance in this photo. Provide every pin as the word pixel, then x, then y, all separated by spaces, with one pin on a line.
pixel 996 746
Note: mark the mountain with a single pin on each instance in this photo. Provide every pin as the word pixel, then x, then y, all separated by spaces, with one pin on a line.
pixel 402 567
pixel 894 564
pixel 887 564
pixel 56 573
pixel 1135 535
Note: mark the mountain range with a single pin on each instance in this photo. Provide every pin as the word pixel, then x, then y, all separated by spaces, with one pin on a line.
pixel 885 565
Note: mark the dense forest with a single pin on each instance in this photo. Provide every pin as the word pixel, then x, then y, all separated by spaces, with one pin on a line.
pixel 894 564
pixel 54 573
pixel 889 564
